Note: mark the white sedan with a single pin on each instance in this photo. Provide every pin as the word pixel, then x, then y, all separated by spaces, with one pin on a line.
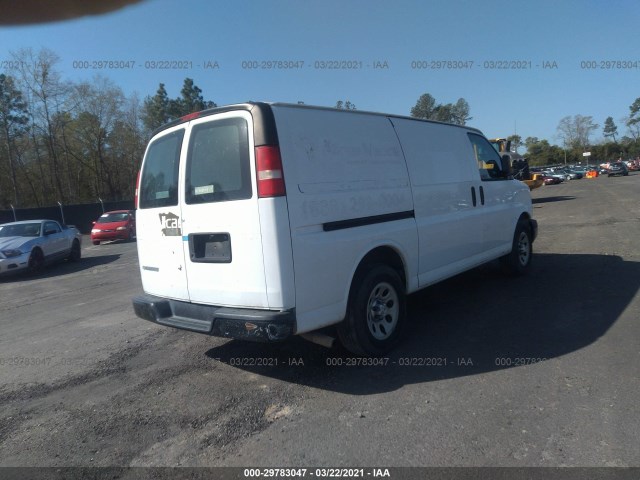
pixel 32 244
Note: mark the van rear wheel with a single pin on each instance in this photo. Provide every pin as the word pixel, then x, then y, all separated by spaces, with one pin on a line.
pixel 376 312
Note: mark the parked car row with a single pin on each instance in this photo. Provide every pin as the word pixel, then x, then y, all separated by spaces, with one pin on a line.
pixel 555 175
pixel 631 165
pixel 29 245
pixel 561 174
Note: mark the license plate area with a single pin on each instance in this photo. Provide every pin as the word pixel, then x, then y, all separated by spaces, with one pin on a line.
pixel 210 247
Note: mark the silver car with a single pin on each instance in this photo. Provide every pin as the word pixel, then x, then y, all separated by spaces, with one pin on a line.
pixel 32 244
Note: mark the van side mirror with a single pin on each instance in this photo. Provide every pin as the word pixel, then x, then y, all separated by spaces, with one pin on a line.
pixel 506 165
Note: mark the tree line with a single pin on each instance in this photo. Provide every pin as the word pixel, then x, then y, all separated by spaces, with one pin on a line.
pixel 77 142
pixel 574 133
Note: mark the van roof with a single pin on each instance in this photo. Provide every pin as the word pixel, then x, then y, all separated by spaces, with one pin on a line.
pixel 264 109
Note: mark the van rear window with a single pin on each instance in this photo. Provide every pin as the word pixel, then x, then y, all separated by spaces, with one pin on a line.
pixel 218 162
pixel 159 181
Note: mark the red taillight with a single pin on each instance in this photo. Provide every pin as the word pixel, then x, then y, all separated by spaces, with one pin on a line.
pixel 135 198
pixel 269 172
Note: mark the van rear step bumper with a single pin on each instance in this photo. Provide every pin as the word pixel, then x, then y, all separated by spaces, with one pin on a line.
pixel 239 323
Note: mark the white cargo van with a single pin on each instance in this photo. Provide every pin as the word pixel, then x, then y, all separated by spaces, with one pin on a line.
pixel 260 221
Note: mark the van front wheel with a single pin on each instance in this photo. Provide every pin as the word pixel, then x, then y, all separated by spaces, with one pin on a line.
pixel 518 262
pixel 376 312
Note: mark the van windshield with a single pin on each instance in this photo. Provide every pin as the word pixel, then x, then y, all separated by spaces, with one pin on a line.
pixel 159 180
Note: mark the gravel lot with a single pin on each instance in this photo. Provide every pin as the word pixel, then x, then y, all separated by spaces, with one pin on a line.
pixel 535 371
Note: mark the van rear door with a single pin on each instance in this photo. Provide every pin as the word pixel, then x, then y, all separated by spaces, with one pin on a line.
pixel 159 235
pixel 220 217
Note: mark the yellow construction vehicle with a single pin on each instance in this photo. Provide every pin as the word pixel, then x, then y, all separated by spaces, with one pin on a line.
pixel 518 164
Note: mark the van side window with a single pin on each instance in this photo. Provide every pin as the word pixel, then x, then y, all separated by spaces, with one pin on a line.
pixel 488 160
pixel 159 181
pixel 218 162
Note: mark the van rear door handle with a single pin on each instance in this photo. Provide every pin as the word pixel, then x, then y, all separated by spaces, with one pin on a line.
pixel 473 195
pixel 481 195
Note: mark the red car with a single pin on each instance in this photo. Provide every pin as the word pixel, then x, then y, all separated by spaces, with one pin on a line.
pixel 549 180
pixel 116 225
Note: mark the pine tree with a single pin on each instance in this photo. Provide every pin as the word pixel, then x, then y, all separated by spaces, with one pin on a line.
pixel 13 118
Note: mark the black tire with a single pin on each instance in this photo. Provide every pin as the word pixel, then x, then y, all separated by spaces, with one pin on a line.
pixel 76 252
pixel 518 262
pixel 36 261
pixel 96 242
pixel 376 313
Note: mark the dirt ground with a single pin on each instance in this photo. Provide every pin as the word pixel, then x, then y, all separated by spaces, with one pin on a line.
pixel 537 371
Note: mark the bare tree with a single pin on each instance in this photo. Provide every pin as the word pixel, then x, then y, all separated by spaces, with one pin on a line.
pixel 47 97
pixel 576 131
pixel 99 108
pixel 127 143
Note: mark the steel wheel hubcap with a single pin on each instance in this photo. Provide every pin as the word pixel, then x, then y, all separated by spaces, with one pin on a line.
pixel 523 249
pixel 383 309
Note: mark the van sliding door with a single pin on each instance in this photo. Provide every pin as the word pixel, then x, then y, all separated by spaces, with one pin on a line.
pixel 442 174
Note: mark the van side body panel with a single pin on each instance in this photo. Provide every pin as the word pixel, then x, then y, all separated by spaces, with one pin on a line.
pixel 276 253
pixel 341 172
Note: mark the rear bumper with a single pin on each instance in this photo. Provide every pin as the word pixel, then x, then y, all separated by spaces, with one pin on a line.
pixel 243 324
